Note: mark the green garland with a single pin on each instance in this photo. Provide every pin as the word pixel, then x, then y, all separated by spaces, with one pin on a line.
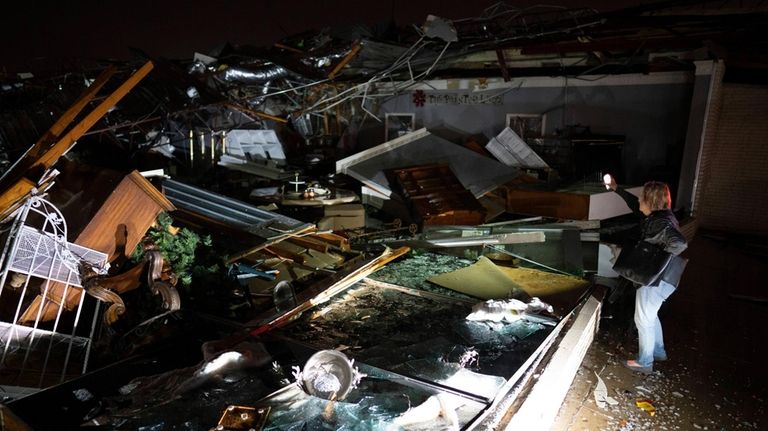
pixel 177 249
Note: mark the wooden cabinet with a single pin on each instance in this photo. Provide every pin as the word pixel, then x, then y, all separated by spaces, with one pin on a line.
pixel 437 197
pixel 133 204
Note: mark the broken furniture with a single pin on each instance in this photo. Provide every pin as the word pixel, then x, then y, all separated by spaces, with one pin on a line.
pixel 477 173
pixel 108 289
pixel 41 271
pixel 415 343
pixel 436 197
pixel 342 217
pixel 326 289
pixel 131 208
pixel 581 201
pixel 116 227
pixel 426 364
pixel 272 253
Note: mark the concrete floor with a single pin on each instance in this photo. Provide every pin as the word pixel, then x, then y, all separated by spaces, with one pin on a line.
pixel 717 340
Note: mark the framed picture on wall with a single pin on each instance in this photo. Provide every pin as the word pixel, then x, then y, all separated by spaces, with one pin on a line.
pixel 527 125
pixel 398 124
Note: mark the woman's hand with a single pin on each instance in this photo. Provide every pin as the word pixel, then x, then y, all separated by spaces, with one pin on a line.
pixel 610 182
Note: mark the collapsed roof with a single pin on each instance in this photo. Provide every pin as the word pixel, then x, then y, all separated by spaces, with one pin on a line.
pixel 344 74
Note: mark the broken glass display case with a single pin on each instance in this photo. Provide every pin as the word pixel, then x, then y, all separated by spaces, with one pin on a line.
pixel 423 363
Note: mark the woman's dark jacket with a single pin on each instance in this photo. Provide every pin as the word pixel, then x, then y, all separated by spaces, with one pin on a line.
pixel 660 227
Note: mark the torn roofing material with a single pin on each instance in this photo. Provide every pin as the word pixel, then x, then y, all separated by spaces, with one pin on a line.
pixel 229 211
pixel 477 173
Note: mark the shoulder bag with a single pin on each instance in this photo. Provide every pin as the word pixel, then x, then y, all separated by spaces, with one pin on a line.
pixel 642 263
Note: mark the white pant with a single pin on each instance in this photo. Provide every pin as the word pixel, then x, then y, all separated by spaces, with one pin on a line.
pixel 650 338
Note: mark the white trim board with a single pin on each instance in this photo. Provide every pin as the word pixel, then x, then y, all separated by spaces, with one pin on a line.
pixel 540 407
pixel 343 164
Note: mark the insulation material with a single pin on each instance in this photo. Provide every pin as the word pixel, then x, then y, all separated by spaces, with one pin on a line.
pixel 487 280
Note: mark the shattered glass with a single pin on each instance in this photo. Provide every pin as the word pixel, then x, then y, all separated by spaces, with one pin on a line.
pixel 157 406
pixel 426 366
pixel 375 405
pixel 418 267
pixel 562 248
pixel 419 337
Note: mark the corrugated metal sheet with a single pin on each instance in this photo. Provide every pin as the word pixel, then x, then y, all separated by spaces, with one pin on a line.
pixel 229 211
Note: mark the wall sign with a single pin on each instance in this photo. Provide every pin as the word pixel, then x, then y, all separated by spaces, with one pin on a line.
pixel 421 98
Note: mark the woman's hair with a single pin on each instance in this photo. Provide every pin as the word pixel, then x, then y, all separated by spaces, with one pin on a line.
pixel 657 196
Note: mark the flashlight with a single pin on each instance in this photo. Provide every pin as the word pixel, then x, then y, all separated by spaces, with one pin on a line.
pixel 607 181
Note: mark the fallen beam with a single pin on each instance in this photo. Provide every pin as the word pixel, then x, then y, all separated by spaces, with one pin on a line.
pixel 341 285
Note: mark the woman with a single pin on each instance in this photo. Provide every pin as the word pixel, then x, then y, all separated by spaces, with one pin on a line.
pixel 658 227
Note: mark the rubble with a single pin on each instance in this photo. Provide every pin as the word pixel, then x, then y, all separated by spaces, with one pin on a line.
pixel 266 275
pixel 282 220
pixel 476 173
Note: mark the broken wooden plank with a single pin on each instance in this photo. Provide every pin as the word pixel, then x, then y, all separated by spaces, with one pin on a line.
pixel 11 197
pixel 44 154
pixel 335 240
pixel 503 64
pixel 347 58
pixel 304 231
pixel 285 254
pixel 48 139
pixel 348 278
pixel 416 292
pixel 67 141
pixel 308 242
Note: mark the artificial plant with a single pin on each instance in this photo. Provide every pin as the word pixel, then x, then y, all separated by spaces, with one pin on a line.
pixel 177 245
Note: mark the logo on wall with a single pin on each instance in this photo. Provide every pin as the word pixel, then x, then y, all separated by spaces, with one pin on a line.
pixel 419 97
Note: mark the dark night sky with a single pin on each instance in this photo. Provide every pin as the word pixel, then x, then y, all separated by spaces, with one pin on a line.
pixel 36 31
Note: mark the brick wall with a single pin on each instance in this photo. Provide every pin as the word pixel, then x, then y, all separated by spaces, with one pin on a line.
pixel 733 174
